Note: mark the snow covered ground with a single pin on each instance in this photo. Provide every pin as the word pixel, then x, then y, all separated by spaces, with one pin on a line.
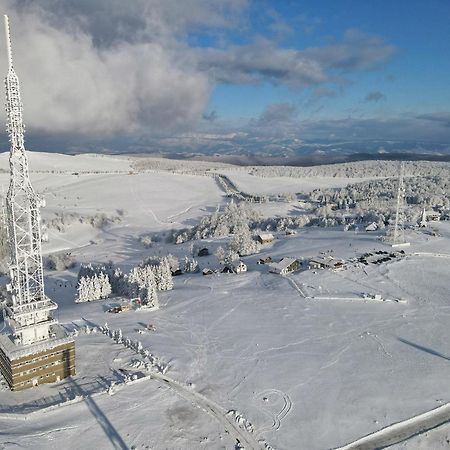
pixel 253 184
pixel 308 365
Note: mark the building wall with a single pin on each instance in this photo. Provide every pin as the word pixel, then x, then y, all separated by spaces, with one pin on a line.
pixel 48 366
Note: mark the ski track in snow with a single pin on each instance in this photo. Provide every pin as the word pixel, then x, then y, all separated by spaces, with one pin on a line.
pixel 297 287
pixel 148 211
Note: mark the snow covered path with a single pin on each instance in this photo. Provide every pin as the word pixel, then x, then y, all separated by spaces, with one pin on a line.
pixel 402 431
pixel 243 437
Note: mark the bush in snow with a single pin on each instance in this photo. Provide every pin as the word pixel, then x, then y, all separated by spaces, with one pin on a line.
pixel 146 240
pixel 60 261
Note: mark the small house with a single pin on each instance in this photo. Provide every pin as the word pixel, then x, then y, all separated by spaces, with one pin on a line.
pixel 372 227
pixel 265 260
pixel 207 271
pixel 203 252
pixel 326 262
pixel 265 238
pixel 285 266
pixel 433 216
pixel 290 232
pixel 240 267
pixel 177 272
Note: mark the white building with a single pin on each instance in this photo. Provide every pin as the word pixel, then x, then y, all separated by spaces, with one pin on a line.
pixel 285 266
pixel 240 267
pixel 326 262
pixel 265 238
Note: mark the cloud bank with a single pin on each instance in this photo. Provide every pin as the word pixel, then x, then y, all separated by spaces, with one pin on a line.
pixel 114 68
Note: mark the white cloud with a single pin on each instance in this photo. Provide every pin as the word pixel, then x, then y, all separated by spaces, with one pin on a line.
pixel 69 84
pixel 116 69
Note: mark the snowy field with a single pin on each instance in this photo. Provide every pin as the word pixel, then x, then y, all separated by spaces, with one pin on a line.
pixel 304 358
pixel 253 184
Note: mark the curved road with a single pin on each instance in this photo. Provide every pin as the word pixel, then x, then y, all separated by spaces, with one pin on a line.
pixel 239 434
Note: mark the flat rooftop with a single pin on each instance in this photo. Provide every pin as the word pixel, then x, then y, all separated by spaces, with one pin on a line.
pixel 14 351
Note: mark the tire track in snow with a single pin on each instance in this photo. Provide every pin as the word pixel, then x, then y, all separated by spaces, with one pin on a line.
pixel 278 417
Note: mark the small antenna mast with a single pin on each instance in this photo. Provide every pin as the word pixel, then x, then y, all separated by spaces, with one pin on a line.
pixel 8 41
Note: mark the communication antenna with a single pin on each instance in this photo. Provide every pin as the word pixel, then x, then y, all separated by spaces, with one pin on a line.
pixel 395 235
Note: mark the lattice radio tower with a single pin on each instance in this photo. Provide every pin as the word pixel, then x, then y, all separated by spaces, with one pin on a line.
pixel 395 235
pixel 28 310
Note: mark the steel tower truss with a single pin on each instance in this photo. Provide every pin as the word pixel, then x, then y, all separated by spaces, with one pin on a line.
pixel 29 310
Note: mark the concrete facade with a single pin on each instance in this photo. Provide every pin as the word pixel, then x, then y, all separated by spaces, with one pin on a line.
pixel 45 366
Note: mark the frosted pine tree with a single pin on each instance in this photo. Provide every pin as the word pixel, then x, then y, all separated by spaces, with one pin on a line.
pixel 151 296
pixel 166 276
pixel 105 285
pixel 158 275
pixel 83 289
pixel 190 265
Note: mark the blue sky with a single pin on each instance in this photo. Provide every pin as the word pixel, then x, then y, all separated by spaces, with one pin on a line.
pixel 415 79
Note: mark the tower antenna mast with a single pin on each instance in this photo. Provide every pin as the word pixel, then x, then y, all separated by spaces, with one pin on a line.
pixel 396 234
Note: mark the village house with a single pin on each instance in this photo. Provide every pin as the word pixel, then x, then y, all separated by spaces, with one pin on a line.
pixel 238 267
pixel 265 260
pixel 432 215
pixel 372 227
pixel 285 266
pixel 265 238
pixel 203 252
pixel 326 262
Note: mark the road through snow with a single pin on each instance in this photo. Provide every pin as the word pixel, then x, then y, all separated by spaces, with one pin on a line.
pixel 242 436
pixel 401 431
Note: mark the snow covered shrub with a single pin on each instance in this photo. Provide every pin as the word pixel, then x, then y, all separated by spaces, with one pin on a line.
pixel 60 261
pixel 146 240
pixel 220 223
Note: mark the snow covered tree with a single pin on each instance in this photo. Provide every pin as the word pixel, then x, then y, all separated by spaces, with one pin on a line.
pixel 166 279
pixel 190 265
pixel 242 242
pixel 83 289
pixel 105 285
pixel 226 255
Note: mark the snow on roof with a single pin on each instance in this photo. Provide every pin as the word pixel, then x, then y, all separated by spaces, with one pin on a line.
pixel 283 264
pixel 326 260
pixel 265 236
pixel 14 351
